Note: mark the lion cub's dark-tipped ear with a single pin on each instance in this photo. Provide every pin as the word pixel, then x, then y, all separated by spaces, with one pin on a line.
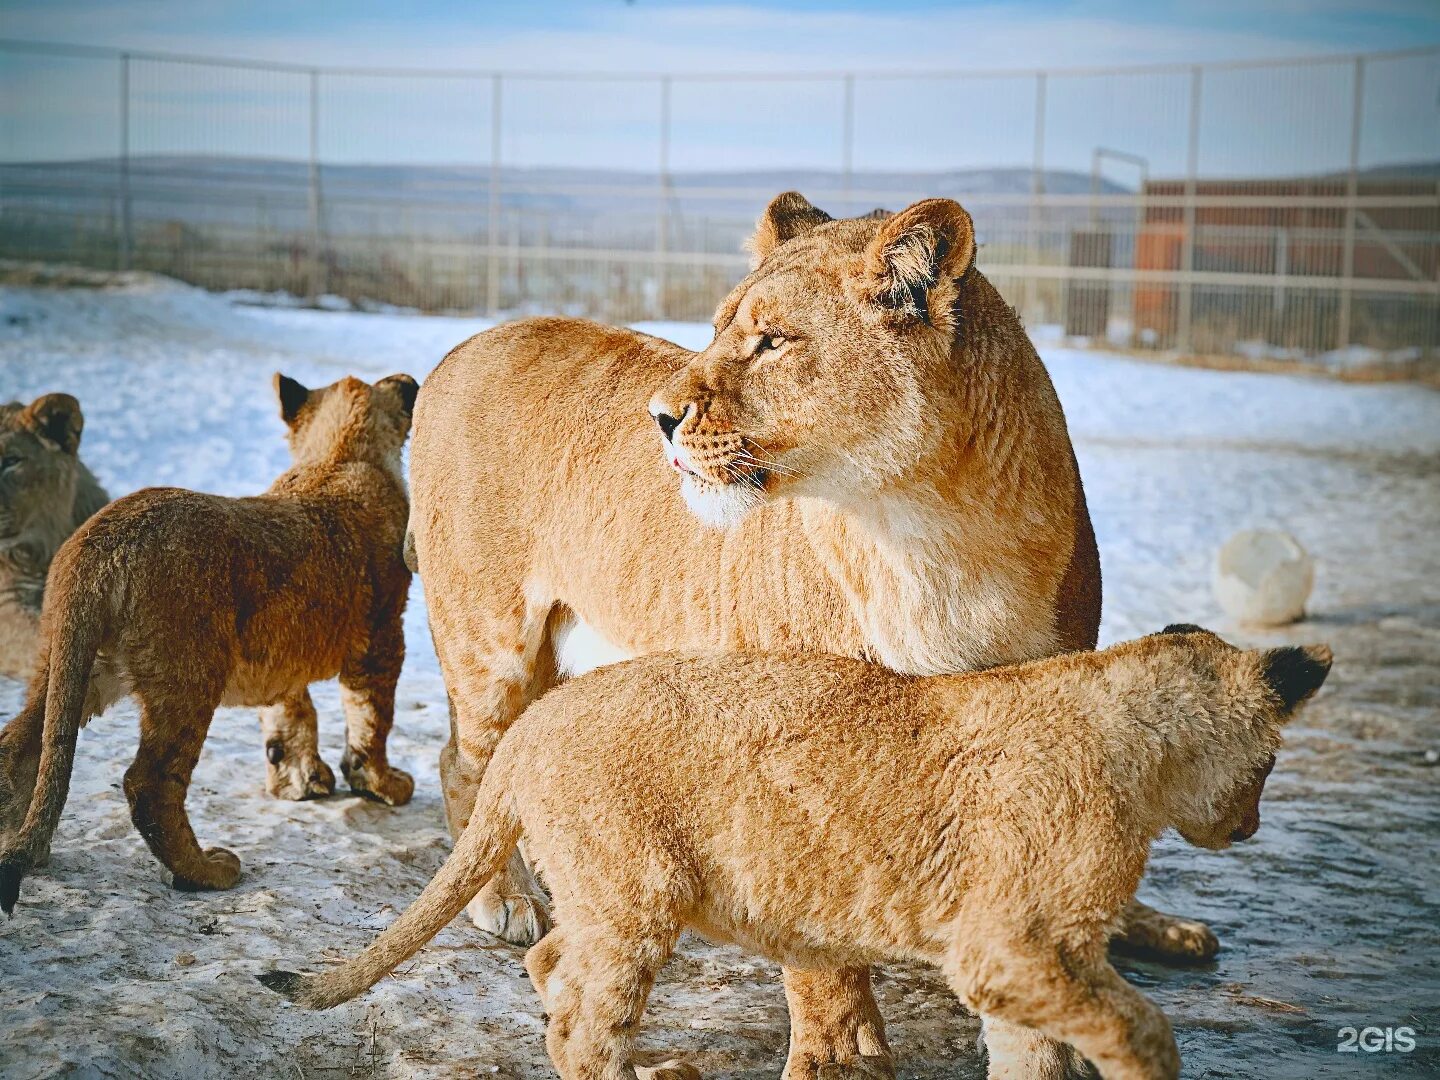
pixel 403 385
pixel 1184 628
pixel 1296 671
pixel 55 419
pixel 292 396
pixel 787 216
pixel 916 259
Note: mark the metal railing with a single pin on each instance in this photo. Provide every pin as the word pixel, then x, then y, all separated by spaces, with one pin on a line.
pixel 1286 209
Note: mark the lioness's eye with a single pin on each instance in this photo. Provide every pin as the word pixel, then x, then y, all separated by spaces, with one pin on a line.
pixel 7 463
pixel 768 343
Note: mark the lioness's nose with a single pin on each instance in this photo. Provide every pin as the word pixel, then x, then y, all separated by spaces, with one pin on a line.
pixel 669 423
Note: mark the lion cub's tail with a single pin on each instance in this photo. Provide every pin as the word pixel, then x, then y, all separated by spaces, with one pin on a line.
pixel 479 854
pixel 407 552
pixel 73 636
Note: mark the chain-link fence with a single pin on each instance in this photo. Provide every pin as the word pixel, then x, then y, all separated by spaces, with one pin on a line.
pixel 1284 209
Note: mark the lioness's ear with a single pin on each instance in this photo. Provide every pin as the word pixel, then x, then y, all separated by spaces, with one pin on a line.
pixel 404 386
pixel 916 258
pixel 787 216
pixel 1295 672
pixel 55 419
pixel 292 395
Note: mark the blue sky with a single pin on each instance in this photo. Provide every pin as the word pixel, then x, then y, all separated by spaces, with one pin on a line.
pixel 731 36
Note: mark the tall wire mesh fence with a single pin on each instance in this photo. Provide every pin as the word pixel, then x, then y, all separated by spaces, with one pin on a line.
pixel 1283 209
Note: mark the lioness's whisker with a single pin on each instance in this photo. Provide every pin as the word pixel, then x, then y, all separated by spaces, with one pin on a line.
pixel 765 461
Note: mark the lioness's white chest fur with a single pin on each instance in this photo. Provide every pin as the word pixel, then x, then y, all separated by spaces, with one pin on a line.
pixel 933 593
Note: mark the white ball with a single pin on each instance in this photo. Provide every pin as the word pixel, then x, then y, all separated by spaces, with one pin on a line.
pixel 1263 577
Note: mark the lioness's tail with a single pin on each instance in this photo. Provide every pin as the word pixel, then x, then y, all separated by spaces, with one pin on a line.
pixel 73 628
pixel 479 854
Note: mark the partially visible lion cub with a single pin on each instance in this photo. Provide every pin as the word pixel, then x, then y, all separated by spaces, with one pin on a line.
pixel 46 493
pixel 192 601
pixel 831 813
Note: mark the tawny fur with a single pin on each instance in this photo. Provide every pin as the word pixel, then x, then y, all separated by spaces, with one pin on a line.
pixel 829 813
pixel 46 493
pixel 191 601
pixel 873 425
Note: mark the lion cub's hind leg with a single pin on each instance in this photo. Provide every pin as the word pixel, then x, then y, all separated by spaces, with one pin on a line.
pixel 596 987
pixel 367 692
pixel 541 960
pixel 173 726
pixel 293 766
pixel 20 744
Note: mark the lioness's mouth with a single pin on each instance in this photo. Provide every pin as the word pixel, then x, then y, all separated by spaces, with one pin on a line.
pixel 732 474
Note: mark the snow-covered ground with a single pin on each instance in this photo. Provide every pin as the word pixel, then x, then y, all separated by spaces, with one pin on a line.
pixel 1328 916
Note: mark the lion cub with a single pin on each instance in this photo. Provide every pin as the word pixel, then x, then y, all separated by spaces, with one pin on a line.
pixel 828 813
pixel 192 601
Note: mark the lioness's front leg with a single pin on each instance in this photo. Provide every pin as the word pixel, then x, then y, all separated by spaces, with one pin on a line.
pixel 1167 937
pixel 834 1023
pixel 367 693
pixel 293 766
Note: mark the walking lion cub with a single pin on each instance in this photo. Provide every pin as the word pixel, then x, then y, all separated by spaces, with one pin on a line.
pixel 192 601
pixel 827 813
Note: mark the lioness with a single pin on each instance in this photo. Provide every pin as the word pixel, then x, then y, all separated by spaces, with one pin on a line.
pixel 46 492
pixel 827 812
pixel 192 601
pixel 877 435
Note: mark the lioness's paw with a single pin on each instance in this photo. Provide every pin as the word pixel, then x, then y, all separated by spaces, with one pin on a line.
pixel 221 870
pixel 674 1069
pixel 299 776
pixel 391 786
pixel 520 920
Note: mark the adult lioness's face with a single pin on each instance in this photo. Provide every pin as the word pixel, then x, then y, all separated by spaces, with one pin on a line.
pixel 819 374
pixel 38 444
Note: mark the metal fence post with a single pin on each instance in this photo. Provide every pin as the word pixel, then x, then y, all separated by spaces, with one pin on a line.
pixel 1032 304
pixel 847 140
pixel 1352 192
pixel 318 283
pixel 1187 241
pixel 127 239
pixel 662 215
pixel 492 272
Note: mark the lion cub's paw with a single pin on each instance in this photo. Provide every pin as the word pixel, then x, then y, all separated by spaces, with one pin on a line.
pixel 1186 939
pixel 518 919
pixel 674 1069
pixel 1168 937
pixel 221 871
pixel 299 776
pixel 380 782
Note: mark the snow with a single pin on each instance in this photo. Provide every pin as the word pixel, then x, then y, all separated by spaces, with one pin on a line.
pixel 105 971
